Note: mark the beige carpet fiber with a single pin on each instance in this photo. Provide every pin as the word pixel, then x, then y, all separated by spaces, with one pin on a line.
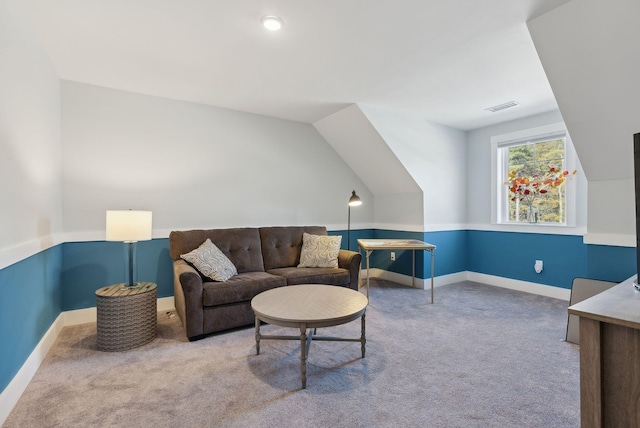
pixel 480 356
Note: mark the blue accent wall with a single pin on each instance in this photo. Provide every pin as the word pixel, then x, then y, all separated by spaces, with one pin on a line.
pixel 34 291
pixel 512 255
pixel 30 301
pixel 611 263
pixel 88 266
pixel 353 235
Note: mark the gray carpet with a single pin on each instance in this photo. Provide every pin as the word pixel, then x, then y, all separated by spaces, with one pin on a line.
pixel 481 356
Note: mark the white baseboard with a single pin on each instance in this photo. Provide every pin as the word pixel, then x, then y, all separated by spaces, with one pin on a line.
pixel 498 281
pixel 420 283
pixel 11 394
pixel 514 284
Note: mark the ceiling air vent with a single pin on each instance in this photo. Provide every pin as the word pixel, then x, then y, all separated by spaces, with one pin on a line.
pixel 502 106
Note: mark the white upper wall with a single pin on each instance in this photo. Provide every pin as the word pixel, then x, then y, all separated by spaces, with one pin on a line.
pixel 433 155
pixel 480 181
pixel 196 166
pixel 591 55
pixel 352 135
pixel 397 199
pixel 30 148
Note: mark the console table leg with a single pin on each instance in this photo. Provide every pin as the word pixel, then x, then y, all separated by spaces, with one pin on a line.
pixel 433 255
pixel 368 252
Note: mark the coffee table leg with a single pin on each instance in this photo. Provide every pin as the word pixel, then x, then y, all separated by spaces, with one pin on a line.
pixel 303 355
pixel 363 339
pixel 257 336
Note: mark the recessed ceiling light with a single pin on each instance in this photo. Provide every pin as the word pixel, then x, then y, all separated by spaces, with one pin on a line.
pixel 271 22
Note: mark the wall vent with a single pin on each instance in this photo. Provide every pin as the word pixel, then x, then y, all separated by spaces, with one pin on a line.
pixel 502 106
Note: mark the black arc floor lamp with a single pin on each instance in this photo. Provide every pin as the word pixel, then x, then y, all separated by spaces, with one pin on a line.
pixel 354 201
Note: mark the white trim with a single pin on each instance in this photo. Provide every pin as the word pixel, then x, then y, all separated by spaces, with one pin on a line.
pixel 524 228
pixel 80 316
pixel 531 133
pixel 514 284
pixel 398 227
pixel 17 253
pixel 419 228
pixel 11 394
pixel 422 284
pixel 497 281
pixel 614 239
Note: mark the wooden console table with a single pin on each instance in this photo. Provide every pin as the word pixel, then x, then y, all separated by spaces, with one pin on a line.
pixel 369 245
pixel 610 357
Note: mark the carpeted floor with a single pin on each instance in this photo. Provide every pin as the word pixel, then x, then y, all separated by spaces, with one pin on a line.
pixel 480 356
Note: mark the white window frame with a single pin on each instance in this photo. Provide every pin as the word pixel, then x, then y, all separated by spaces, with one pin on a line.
pixel 499 169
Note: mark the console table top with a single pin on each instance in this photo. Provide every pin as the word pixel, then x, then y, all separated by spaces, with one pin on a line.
pixel 618 305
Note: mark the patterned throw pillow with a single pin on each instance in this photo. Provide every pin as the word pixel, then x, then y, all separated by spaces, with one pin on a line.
pixel 319 251
pixel 211 262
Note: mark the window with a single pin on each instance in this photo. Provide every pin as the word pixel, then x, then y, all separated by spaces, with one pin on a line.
pixel 533 177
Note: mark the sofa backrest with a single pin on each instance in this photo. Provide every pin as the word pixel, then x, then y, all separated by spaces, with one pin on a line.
pixel 281 245
pixel 240 245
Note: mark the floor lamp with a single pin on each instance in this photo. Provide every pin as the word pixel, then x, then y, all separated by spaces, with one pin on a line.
pixel 129 226
pixel 354 201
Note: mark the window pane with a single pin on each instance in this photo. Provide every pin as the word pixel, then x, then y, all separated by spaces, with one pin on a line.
pixel 532 195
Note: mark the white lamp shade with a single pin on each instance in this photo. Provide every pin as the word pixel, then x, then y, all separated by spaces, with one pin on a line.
pixel 128 225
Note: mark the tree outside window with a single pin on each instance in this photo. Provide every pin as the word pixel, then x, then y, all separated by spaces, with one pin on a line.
pixel 535 182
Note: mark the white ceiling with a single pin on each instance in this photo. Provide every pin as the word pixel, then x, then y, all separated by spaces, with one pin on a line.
pixel 446 60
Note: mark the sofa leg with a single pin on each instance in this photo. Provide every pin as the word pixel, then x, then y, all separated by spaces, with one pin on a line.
pixel 194 338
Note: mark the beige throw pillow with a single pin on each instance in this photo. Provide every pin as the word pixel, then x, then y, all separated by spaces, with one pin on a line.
pixel 211 262
pixel 319 251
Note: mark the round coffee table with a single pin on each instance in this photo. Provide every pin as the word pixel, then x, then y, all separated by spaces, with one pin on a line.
pixel 309 306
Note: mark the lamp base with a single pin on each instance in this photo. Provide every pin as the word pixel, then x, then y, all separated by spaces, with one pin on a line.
pixel 134 286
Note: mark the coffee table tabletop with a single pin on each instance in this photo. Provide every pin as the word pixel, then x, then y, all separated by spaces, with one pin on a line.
pixel 309 306
pixel 317 305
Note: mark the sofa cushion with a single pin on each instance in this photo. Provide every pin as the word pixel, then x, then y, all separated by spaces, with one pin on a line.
pixel 241 288
pixel 240 245
pixel 329 276
pixel 211 262
pixel 319 251
pixel 281 245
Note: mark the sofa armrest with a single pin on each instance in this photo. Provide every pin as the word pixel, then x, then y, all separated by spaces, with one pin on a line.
pixel 187 291
pixel 350 260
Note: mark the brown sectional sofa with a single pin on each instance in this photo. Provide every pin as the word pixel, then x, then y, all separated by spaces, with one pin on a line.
pixel 265 258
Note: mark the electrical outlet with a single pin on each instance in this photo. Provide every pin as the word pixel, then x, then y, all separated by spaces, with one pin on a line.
pixel 393 256
pixel 538 266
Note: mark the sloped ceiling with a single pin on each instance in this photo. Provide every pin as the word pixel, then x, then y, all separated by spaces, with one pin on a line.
pixel 355 139
pixel 590 50
pixel 446 61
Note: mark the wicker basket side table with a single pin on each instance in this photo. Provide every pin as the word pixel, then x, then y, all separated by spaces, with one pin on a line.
pixel 127 318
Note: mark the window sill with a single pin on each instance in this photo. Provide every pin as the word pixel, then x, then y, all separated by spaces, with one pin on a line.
pixel 553 229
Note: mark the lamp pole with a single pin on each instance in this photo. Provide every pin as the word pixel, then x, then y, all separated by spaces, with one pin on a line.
pixel 354 201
